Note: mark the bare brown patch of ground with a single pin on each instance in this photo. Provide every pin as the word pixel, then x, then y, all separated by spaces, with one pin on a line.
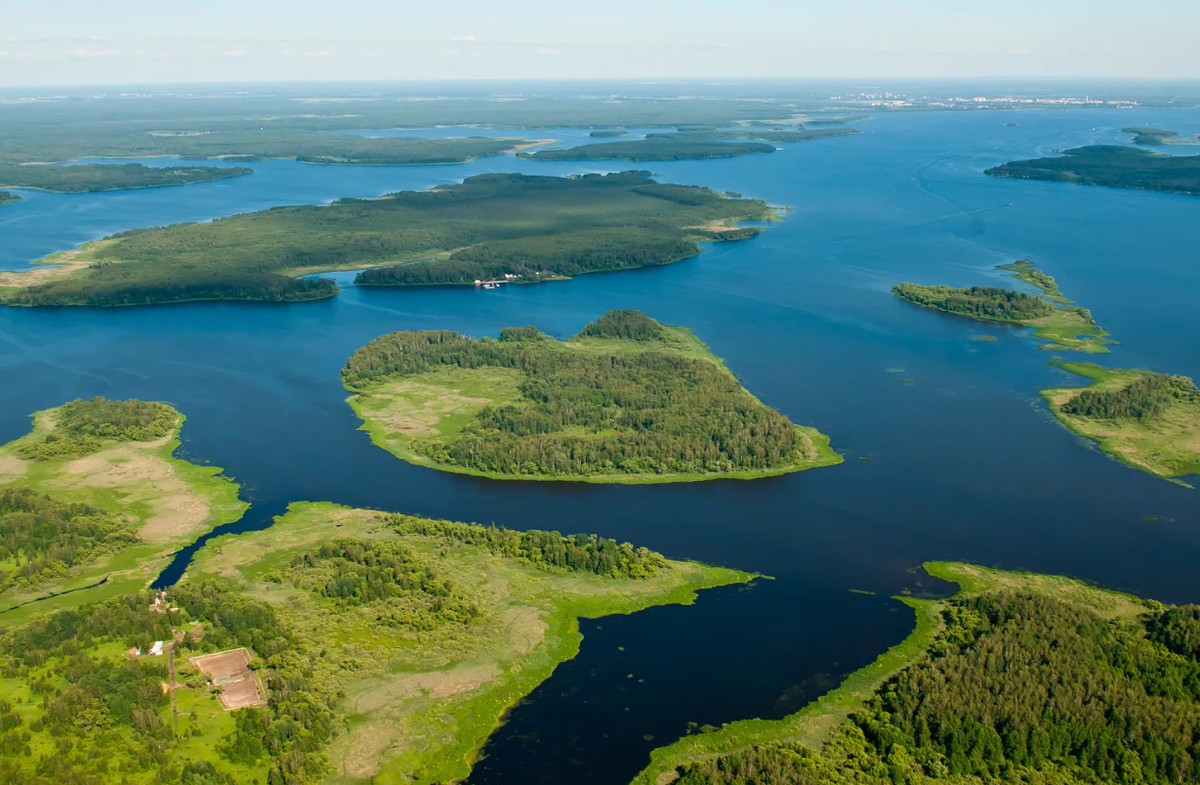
pixel 57 266
pixel 417 408
pixel 11 467
pixel 231 672
pixel 526 627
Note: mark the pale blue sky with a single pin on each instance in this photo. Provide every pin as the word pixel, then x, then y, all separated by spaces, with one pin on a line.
pixel 136 41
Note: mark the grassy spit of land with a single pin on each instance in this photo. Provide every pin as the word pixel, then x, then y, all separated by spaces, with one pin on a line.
pixel 627 400
pixel 685 145
pixel 92 502
pixel 506 227
pixel 1016 678
pixel 87 178
pixel 1055 319
pixel 1114 166
pixel 1148 420
pixel 1157 136
pixel 419 679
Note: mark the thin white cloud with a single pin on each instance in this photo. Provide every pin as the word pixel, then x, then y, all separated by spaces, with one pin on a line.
pixel 319 53
pixel 89 53
pixel 544 51
pixel 233 53
pixel 465 38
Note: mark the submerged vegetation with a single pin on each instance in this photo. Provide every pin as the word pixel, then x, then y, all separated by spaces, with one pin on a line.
pixel 85 178
pixel 990 691
pixel 689 145
pixel 626 400
pixel 1065 326
pixel 1148 420
pixel 510 227
pixel 1114 166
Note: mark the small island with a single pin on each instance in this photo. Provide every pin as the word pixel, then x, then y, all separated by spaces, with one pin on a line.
pixel 1113 166
pixel 490 230
pixel 90 178
pixel 689 145
pixel 92 501
pixel 627 400
pixel 8 197
pixel 1054 318
pixel 1157 136
pixel 608 134
pixel 1104 686
pixel 1150 421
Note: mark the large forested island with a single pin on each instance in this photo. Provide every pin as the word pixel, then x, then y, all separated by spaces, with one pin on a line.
pixel 507 227
pixel 1149 420
pixel 339 645
pixel 1114 166
pixel 85 178
pixel 1017 678
pixel 92 500
pixel 689 145
pixel 626 400
pixel 1056 320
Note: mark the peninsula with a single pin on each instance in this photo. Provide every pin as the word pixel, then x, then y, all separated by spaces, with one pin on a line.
pixel 88 178
pixel 1151 421
pixel 339 643
pixel 1054 318
pixel 508 227
pixel 687 145
pixel 1157 136
pixel 92 502
pixel 1113 166
pixel 948 705
pixel 627 400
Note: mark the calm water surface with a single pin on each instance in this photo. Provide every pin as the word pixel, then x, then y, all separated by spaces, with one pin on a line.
pixel 950 453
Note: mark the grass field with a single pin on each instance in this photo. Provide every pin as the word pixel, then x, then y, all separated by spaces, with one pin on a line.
pixel 418 707
pixel 1072 328
pixel 1167 445
pixel 813 725
pixel 167 501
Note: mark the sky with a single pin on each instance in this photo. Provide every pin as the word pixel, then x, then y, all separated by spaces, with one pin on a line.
pixel 76 42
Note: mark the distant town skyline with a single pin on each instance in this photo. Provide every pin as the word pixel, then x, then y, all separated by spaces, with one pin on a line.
pixel 136 41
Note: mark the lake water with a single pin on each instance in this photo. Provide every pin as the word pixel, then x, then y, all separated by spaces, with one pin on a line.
pixel 950 453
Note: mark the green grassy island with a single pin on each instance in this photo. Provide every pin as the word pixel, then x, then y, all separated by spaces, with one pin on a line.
pixel 506 227
pixel 87 178
pixel 1157 136
pixel 8 197
pixel 688 145
pixel 1113 166
pixel 350 646
pixel 627 400
pixel 1149 420
pixel 1055 319
pixel 1017 678
pixel 92 502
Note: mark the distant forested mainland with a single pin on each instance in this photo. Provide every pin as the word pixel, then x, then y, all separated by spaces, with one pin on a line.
pixel 625 400
pixel 1017 679
pixel 509 227
pixel 1113 166
pixel 7 197
pixel 84 178
pixel 689 145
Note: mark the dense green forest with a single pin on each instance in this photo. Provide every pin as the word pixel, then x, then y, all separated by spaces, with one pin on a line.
pixel 287 125
pixel 41 537
pixel 549 550
pixel 84 178
pixel 1018 686
pixel 977 302
pixel 1145 398
pixel 689 145
pixel 7 197
pixel 82 426
pixel 529 227
pixel 1113 166
pixel 617 400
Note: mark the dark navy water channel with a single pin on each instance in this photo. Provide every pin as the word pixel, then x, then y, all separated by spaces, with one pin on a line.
pixel 949 452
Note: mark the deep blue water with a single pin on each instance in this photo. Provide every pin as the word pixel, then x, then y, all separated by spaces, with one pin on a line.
pixel 964 461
